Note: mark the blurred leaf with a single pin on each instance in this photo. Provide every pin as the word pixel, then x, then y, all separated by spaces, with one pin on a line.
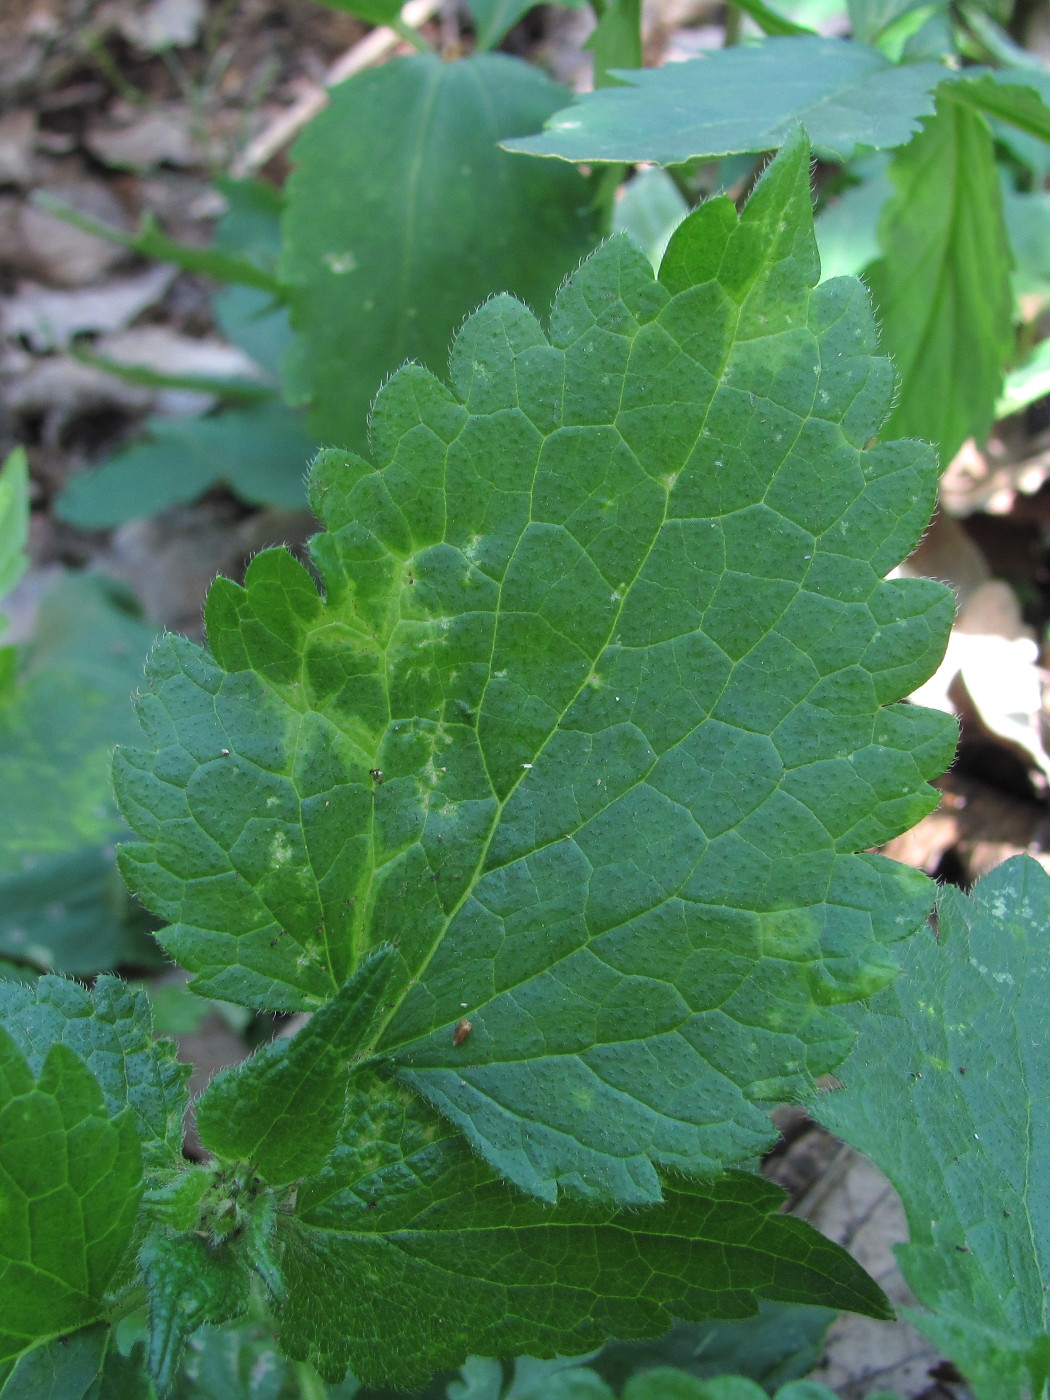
pixel 261 453
pixel 1016 97
pixel 747 98
pixel 374 11
pixel 942 288
pixel 780 1344
pixel 847 230
pixel 14 522
pixel 650 209
pixel 152 242
pixel 403 215
pixel 1026 384
pixel 770 21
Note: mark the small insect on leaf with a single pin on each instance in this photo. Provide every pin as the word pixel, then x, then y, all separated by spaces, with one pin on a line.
pixel 462 1030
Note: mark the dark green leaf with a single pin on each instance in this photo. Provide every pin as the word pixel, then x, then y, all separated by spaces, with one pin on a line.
pixel 261 452
pixel 70 1180
pixel 782 1343
pixel 281 1110
pixel 403 215
pixel 592 719
pixel 493 18
pixel 745 99
pixel 71 913
pixel 190 1283
pixel 946 1091
pixel 83 1366
pixel 942 286
pixel 407 1253
pixel 111 1031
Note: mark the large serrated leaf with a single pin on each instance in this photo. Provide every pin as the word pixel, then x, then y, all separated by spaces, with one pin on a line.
pixel 592 719
pixel 946 1090
pixel 407 1253
pixel 111 1030
pixel 737 100
pixel 404 214
pixel 942 285
pixel 70 1181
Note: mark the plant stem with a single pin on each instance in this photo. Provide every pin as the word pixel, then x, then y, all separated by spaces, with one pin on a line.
pixel 411 36
pixel 733 13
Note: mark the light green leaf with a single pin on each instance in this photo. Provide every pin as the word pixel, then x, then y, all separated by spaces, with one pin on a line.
pixel 111 1032
pixel 407 1252
pixel 769 20
pixel 847 230
pixel 592 718
pixel 745 99
pixel 261 452
pixel 1017 98
pixel 70 1180
pixel 946 1091
pixel 650 209
pixel 403 215
pixel 942 286
pixel 869 18
pixel 14 521
pixel 1027 383
pixel 281 1109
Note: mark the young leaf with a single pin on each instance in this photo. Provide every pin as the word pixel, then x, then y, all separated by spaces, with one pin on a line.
pixel 190 1284
pixel 70 1181
pixel 942 285
pixel 593 716
pixel 393 236
pixel 407 1253
pixel 946 1092
pixel 745 99
pixel 260 452
pixel 281 1110
pixel 111 1032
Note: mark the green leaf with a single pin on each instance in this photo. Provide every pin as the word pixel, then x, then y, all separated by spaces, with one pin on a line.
pixel 1027 383
pixel 781 1343
pixel 745 99
pixel 592 718
pixel 945 265
pixel 111 1032
pixel 650 209
pixel 190 1283
pixel 152 242
pixel 494 18
pixel 847 230
pixel 14 521
pixel 70 1180
pixel 1017 98
pixel 870 18
pixel 946 1092
pixel 71 913
pixel 403 215
pixel 374 11
pixel 616 41
pixel 260 452
pixel 281 1109
pixel 83 1366
pixel 407 1253
pixel 72 704
pixel 769 20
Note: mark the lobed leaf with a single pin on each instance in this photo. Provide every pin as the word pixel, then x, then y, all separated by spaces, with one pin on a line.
pixel 742 99
pixel 947 1092
pixel 592 720
pixel 70 1181
pixel 406 1253
pixel 281 1110
pixel 944 266
pixel 110 1030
